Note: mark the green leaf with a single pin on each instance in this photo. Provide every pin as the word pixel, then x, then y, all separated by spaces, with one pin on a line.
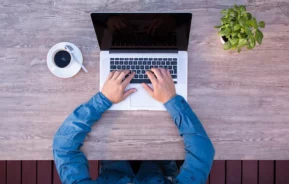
pixel 261 24
pixel 233 14
pixel 222 33
pixel 236 7
pixel 242 8
pixel 234 35
pixel 239 49
pixel 242 22
pixel 234 41
pixel 219 26
pixel 255 25
pixel 252 42
pixel 227 46
pixel 232 23
pixel 224 20
pixel 236 27
pixel 248 16
pixel 223 12
pixel 249 47
pixel 259 36
pixel 250 23
pixel 248 31
pixel 242 42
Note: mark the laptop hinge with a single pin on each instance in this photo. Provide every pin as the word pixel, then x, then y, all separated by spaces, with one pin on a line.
pixel 117 51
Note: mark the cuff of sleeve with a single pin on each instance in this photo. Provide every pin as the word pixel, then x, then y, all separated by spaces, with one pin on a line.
pixel 176 104
pixel 100 101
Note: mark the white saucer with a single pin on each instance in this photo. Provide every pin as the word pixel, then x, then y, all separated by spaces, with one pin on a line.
pixel 73 67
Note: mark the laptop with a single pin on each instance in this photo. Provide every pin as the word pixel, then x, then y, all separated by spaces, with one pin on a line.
pixel 139 42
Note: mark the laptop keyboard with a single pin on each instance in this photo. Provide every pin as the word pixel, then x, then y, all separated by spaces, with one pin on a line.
pixel 140 65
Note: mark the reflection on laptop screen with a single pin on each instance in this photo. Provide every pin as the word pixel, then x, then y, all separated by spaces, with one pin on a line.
pixel 142 30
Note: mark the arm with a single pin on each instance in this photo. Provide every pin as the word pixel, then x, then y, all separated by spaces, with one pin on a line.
pixel 70 161
pixel 199 149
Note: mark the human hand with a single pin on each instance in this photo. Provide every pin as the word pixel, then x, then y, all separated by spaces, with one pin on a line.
pixel 115 85
pixel 163 85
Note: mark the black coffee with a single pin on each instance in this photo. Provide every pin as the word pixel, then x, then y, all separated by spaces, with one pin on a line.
pixel 62 59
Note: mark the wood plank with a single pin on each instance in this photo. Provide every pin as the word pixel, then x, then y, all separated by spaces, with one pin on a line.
pixel 93 168
pixel 241 99
pixel 13 172
pixel 44 172
pixel 266 172
pixel 56 179
pixel 282 172
pixel 233 172
pixel 29 172
pixel 218 172
pixel 250 172
pixel 3 171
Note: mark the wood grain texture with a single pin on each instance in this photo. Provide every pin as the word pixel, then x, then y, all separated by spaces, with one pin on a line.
pixel 250 171
pixel 266 172
pixel 29 172
pixel 241 99
pixel 44 172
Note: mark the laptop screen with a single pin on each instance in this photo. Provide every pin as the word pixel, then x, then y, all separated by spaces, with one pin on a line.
pixel 142 30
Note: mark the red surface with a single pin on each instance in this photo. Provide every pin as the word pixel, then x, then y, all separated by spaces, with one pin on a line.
pixel 13 172
pixel 233 172
pixel 29 172
pixel 56 179
pixel 266 172
pixel 223 172
pixel 282 172
pixel 250 172
pixel 44 172
pixel 2 171
pixel 93 168
pixel 218 172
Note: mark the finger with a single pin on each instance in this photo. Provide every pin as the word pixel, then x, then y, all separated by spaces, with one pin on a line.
pixel 152 77
pixel 148 89
pixel 128 92
pixel 122 75
pixel 116 74
pixel 128 79
pixel 163 71
pixel 169 74
pixel 157 73
pixel 110 75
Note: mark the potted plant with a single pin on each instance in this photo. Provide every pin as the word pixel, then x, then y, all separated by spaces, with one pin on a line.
pixel 239 29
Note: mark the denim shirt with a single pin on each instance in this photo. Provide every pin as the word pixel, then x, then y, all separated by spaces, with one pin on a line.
pixel 72 165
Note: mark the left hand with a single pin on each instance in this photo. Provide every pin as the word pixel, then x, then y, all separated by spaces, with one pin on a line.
pixel 115 85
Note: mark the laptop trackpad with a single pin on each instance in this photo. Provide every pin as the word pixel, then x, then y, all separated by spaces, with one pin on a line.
pixel 142 99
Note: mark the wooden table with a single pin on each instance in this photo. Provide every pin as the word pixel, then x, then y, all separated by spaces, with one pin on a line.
pixel 241 99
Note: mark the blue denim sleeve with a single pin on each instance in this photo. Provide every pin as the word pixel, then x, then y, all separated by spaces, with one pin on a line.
pixel 70 161
pixel 199 149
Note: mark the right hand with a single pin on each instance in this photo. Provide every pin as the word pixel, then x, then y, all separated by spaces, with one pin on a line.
pixel 163 85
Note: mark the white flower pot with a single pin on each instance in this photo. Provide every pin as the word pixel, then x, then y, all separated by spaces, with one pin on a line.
pixel 222 40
